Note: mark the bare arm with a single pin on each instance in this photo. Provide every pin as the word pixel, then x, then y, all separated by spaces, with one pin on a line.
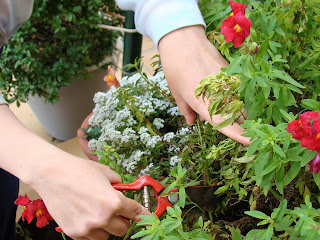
pixel 77 192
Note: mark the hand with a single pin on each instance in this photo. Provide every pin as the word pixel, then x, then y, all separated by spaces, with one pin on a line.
pixel 187 56
pixel 79 196
pixel 77 192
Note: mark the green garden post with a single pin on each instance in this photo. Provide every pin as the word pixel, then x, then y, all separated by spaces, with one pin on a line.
pixel 132 44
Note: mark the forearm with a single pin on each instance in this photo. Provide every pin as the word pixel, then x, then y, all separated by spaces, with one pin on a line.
pixel 23 153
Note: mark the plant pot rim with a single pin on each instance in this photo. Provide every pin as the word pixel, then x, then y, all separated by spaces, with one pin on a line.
pixel 84 142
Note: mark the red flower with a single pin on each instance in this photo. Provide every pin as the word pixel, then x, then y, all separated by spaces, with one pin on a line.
pixel 296 129
pixel 315 164
pixel 312 142
pixel 236 27
pixel 33 209
pixel 237 7
pixel 306 120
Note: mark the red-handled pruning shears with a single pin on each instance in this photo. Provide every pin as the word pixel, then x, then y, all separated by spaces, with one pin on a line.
pixel 162 201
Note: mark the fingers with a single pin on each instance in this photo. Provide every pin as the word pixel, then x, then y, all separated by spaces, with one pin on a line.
pixel 112 175
pixel 117 226
pixel 97 234
pixel 132 209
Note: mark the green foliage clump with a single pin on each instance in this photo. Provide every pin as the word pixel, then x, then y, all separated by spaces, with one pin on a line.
pixel 56 45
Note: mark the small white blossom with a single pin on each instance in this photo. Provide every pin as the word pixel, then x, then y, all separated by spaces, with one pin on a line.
pixel 174 160
pixel 146 170
pixel 158 123
pixel 168 136
pixel 174 111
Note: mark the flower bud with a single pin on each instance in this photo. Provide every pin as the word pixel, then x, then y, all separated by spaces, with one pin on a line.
pixel 254 48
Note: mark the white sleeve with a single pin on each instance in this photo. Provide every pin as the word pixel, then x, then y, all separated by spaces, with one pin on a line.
pixel 156 18
pixel 2 101
pixel 13 13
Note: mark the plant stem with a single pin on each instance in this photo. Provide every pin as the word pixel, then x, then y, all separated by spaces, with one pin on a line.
pixel 130 230
pixel 63 236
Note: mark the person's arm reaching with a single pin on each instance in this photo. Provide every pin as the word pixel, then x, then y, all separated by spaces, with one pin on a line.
pixel 187 56
pixel 77 192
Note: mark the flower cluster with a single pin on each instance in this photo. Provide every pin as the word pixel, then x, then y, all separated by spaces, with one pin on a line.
pixel 236 27
pixel 307 130
pixel 33 209
pixel 139 120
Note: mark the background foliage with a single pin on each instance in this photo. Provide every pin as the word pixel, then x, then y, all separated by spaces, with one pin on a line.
pixel 55 46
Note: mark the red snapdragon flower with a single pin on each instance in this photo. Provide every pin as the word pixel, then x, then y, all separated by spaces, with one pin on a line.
pixel 237 7
pixel 33 209
pixel 236 27
pixel 307 124
pixel 312 142
pixel 315 164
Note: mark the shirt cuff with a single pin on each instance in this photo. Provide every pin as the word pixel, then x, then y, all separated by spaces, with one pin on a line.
pixel 2 101
pixel 157 18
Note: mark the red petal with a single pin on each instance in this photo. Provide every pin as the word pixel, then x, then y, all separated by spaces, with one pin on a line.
pixel 295 128
pixel 29 216
pixel 42 221
pixel 229 22
pixel 237 7
pixel 229 34
pixel 22 200
pixel 238 39
pixel 311 142
pixel 244 23
pixel 316 125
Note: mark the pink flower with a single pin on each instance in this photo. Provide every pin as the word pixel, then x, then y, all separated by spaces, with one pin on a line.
pixel 315 164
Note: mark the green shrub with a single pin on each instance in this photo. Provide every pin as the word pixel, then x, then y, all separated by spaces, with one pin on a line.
pixel 55 46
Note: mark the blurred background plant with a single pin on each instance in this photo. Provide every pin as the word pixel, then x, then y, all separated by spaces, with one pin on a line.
pixel 57 45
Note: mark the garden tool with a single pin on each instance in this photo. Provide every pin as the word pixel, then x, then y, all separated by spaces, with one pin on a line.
pixel 203 196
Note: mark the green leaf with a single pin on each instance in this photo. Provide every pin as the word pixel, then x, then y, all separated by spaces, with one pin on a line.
pixel 282 208
pixel 269 233
pixel 221 189
pixel 182 197
pixel 234 65
pixel 245 159
pixel 263 49
pixel 292 173
pixel 278 150
pixel 256 214
pixel 264 65
pixel 236 235
pixel 286 77
pixel 310 104
pixel 307 157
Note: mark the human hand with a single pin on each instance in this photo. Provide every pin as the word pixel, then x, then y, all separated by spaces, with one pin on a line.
pixel 81 199
pixel 187 56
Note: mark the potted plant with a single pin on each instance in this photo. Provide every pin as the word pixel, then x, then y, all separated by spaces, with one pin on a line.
pixel 270 188
pixel 60 45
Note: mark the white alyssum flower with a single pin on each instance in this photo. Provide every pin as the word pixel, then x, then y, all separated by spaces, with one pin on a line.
pixel 121 113
pixel 168 136
pixel 158 122
pixel 130 163
pixel 174 160
pixel 146 170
